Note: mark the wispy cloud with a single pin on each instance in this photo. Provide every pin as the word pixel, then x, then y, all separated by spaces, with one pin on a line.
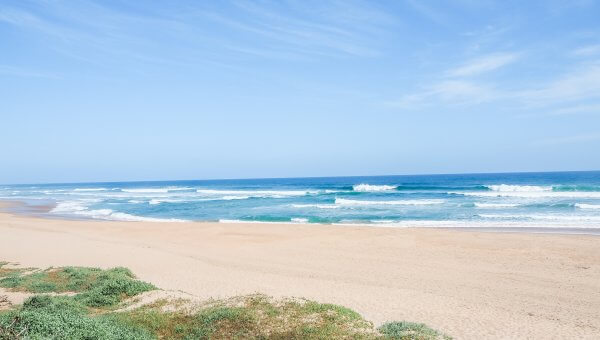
pixel 456 85
pixel 219 32
pixel 587 51
pixel 427 11
pixel 332 28
pixel 574 91
pixel 583 138
pixel 25 73
pixel 577 109
pixel 483 64
pixel 457 92
pixel 580 84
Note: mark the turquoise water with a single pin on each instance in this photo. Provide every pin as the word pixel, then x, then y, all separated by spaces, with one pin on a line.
pixel 532 200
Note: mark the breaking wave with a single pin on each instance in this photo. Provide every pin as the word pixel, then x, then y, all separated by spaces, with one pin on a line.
pixel 587 206
pixel 80 208
pixel 372 188
pixel 519 188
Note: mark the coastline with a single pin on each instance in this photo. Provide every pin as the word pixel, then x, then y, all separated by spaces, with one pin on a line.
pixel 42 210
pixel 469 284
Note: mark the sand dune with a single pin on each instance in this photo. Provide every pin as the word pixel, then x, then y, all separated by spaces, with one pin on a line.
pixel 470 285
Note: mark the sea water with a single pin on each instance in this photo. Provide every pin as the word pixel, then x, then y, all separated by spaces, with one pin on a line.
pixel 514 200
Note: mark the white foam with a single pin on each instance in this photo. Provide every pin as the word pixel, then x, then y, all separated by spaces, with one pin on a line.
pixel 342 201
pixel 530 194
pixel 257 193
pixel 371 188
pixel 145 190
pixel 179 188
pixel 229 198
pixel 135 201
pixel 90 189
pixel 497 224
pixel 251 222
pixel 69 207
pixel 80 208
pixel 319 206
pixel 587 206
pixel 543 217
pixel 299 220
pixel 133 218
pixel 519 188
pixel 495 205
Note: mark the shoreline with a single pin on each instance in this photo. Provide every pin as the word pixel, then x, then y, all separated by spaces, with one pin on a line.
pixel 468 284
pixel 24 208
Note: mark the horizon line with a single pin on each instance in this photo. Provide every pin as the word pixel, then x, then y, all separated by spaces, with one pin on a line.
pixel 310 177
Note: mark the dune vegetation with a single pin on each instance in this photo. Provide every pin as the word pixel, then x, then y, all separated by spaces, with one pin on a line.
pixel 92 303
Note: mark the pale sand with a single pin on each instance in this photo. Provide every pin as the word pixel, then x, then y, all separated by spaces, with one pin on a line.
pixel 470 285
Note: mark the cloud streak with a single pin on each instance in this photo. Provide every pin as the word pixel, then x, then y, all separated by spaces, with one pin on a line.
pixel 584 138
pixel 483 64
pixel 587 51
pixel 219 33
pixel 581 84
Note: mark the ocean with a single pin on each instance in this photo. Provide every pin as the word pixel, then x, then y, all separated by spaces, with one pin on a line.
pixel 533 201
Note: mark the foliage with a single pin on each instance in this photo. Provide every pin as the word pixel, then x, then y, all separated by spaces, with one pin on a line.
pixel 61 317
pixel 91 313
pixel 96 287
pixel 404 330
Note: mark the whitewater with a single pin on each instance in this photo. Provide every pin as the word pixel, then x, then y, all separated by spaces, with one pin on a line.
pixel 529 200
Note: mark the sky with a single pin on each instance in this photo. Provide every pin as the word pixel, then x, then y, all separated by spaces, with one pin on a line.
pixel 164 90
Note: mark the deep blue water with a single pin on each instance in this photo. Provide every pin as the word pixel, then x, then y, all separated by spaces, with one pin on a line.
pixel 553 200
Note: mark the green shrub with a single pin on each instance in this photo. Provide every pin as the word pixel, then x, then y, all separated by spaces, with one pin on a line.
pixel 11 281
pixel 410 331
pixel 90 314
pixel 60 317
pixel 96 287
pixel 110 290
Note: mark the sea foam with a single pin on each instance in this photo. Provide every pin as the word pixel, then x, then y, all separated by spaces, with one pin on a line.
pixel 319 206
pixel 342 201
pixel 373 188
pixel 146 190
pixel 587 206
pixel 495 205
pixel 80 208
pixel 519 188
pixel 530 194
pixel 548 217
pixel 257 193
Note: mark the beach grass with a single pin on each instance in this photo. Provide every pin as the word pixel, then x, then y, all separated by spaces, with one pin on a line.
pixel 410 330
pixel 91 303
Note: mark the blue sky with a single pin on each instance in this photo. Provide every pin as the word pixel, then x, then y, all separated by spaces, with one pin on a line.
pixel 143 90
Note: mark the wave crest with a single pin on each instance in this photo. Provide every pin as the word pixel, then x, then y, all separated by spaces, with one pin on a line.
pixel 587 206
pixel 80 208
pixel 519 188
pixel 371 188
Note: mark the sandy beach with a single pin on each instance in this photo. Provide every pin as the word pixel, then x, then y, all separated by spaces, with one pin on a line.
pixel 470 285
